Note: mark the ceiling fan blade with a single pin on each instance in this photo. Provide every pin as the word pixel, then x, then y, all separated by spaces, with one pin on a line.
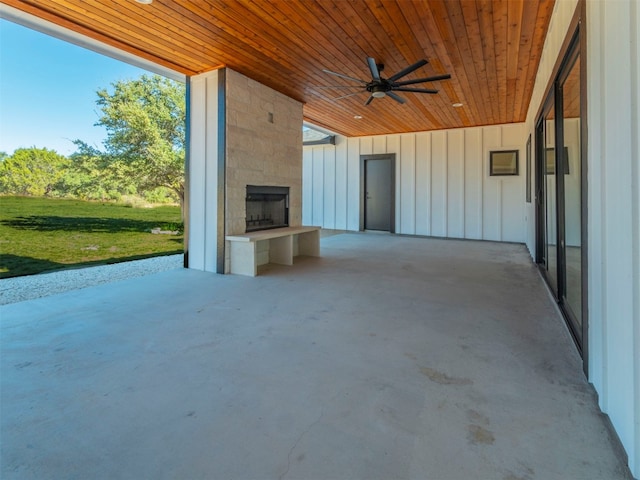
pixel 344 76
pixel 415 90
pixel 408 70
pixel 375 73
pixel 349 95
pixel 336 86
pixel 369 100
pixel 397 98
pixel 435 78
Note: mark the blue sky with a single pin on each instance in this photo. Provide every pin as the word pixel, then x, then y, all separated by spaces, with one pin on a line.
pixel 48 90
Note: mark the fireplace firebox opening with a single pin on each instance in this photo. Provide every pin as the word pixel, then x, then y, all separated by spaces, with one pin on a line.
pixel 267 207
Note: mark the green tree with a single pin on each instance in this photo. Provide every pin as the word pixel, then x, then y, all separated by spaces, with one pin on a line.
pixel 32 171
pixel 145 123
pixel 92 175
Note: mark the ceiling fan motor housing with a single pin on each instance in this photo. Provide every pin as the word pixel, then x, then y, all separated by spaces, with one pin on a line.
pixel 378 89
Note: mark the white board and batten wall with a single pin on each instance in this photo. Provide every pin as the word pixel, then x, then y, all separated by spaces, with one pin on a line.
pixel 443 186
pixel 612 56
pixel 613 203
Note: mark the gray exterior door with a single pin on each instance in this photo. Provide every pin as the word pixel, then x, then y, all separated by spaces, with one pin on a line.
pixel 378 201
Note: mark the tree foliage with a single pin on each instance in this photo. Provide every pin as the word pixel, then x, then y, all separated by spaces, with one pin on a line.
pixel 33 171
pixel 145 123
pixel 91 176
pixel 143 154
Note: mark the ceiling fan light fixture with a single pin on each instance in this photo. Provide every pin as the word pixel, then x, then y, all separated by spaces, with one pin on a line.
pixel 377 90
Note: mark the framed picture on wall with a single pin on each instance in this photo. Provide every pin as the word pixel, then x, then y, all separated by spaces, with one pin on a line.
pixel 550 161
pixel 503 162
pixel 528 172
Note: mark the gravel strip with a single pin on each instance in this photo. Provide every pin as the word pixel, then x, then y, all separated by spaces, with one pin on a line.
pixel 19 289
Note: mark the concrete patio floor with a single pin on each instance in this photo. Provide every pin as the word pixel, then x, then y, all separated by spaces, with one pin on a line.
pixel 387 358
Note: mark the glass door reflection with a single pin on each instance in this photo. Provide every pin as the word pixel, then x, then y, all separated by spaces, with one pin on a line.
pixel 572 294
pixel 550 210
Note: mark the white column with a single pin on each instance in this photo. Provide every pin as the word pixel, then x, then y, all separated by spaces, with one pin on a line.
pixel 614 215
pixel 205 171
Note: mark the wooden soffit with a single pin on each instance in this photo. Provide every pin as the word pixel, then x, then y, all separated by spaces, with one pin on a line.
pixel 491 48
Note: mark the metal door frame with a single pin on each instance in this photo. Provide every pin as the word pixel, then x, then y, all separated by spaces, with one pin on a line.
pixel 378 156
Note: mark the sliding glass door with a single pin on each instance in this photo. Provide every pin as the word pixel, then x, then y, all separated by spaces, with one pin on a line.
pixel 572 191
pixel 550 203
pixel 560 191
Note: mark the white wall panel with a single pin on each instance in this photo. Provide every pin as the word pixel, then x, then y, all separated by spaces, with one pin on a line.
pixel 439 184
pixel 317 216
pixel 455 184
pixel 203 172
pixel 613 201
pixel 612 159
pixel 512 227
pixel 512 135
pixel 391 144
pixel 196 172
pixel 491 191
pixel 473 180
pixel 442 178
pixel 307 186
pixel 379 144
pixel 366 145
pixel 423 184
pixel 512 210
pixel 341 184
pixel 329 194
pixel 353 183
pixel 407 183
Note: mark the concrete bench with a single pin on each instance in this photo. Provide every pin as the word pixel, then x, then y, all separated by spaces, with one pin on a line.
pixel 279 245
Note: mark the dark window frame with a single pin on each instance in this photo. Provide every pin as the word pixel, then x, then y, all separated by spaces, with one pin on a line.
pixel 511 173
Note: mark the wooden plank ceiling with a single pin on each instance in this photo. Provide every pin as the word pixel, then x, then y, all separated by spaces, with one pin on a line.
pixel 491 48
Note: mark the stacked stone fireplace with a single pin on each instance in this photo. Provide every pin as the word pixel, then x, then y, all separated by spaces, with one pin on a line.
pixel 263 150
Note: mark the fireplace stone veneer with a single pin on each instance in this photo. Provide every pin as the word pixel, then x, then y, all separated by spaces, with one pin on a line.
pixel 260 149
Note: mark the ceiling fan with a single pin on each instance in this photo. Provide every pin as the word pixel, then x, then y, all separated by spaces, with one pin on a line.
pixel 380 87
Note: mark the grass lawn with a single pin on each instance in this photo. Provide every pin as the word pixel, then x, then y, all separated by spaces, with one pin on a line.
pixel 42 234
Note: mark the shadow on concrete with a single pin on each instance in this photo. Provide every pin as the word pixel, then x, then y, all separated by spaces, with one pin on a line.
pixel 79 224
